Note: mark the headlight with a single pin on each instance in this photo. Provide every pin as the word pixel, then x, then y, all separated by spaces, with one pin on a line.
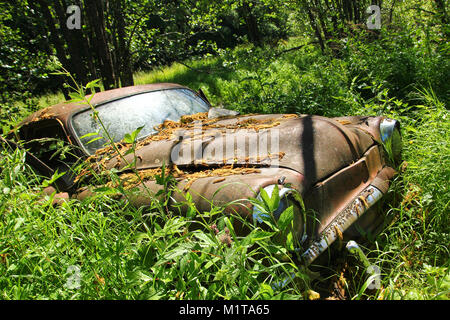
pixel 392 140
pixel 286 200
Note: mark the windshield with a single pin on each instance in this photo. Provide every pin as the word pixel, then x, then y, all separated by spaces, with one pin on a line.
pixel 125 115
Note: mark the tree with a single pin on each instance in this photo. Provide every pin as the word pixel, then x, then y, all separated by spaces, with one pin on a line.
pixel 116 37
pixel 331 19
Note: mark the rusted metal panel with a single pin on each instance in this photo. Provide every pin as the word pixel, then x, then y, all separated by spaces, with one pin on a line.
pixel 336 164
pixel 313 146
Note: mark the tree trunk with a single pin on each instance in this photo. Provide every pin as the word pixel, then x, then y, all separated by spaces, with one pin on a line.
pixel 251 24
pixel 94 11
pixel 391 11
pixel 315 27
pixel 55 40
pixel 72 39
pixel 123 55
pixel 440 5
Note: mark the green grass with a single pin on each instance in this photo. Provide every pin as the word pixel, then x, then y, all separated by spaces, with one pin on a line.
pixel 203 73
pixel 413 251
pixel 125 253
pixel 419 240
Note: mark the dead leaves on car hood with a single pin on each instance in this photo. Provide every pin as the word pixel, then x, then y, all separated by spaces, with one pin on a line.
pixel 168 130
pixel 131 179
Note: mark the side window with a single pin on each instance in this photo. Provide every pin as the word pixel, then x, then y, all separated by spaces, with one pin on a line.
pixel 47 141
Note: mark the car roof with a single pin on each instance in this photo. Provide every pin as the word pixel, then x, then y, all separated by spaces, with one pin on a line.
pixel 64 110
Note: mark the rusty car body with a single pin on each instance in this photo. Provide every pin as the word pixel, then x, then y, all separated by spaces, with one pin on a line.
pixel 341 167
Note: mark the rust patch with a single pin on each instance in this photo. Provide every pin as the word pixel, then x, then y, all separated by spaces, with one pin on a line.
pixel 221 172
pixel 344 122
pixel 44 114
pixel 339 235
pixel 258 159
pixel 218 180
pixel 364 201
pixel 291 116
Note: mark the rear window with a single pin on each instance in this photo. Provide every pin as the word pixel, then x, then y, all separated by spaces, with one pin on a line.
pixel 125 115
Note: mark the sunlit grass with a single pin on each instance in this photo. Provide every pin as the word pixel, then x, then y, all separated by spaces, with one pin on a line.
pixel 162 74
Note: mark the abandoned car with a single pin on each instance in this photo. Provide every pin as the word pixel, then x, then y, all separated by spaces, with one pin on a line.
pixel 340 167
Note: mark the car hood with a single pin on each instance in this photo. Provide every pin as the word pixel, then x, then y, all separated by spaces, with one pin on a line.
pixel 314 146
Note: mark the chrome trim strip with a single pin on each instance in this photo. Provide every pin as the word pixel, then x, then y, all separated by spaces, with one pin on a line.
pixel 366 199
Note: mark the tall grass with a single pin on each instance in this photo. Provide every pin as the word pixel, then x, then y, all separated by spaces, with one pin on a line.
pixel 415 248
pixel 102 248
